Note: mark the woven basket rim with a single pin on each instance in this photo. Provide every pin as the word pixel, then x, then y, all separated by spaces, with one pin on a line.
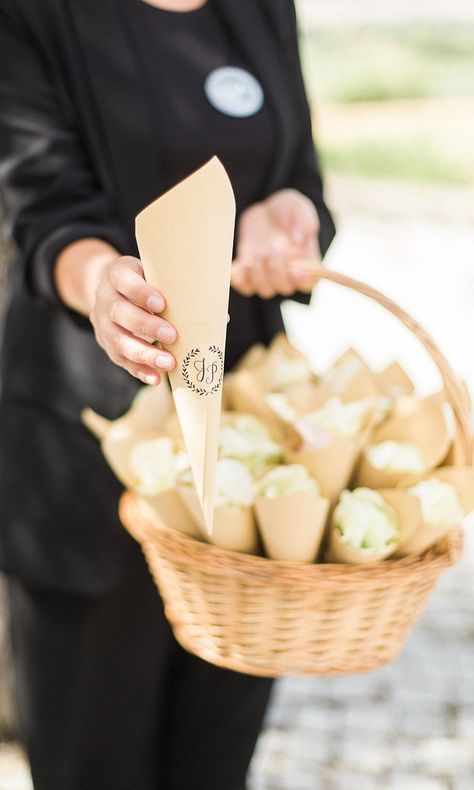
pixel 225 561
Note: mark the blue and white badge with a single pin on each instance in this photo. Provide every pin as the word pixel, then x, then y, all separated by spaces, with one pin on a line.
pixel 233 91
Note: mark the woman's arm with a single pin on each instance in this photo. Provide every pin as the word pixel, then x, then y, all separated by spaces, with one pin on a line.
pixel 61 220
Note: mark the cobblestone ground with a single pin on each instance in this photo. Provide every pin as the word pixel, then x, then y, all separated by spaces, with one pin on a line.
pixel 409 726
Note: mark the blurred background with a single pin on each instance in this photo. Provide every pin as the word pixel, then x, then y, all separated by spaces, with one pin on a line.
pixel 391 85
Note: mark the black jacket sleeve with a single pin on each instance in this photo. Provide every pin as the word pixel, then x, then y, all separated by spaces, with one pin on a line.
pixel 49 194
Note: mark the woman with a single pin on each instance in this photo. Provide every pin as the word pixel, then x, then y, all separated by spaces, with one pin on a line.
pixel 104 105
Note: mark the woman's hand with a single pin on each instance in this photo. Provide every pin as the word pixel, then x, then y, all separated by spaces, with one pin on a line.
pixel 127 323
pixel 273 236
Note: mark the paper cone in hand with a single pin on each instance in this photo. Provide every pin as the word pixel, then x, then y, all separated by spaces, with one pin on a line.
pixel 292 525
pixel 185 242
pixel 407 510
pixel 423 425
pixel 427 534
pixel 234 528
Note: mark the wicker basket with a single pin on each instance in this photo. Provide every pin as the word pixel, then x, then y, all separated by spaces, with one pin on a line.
pixel 271 618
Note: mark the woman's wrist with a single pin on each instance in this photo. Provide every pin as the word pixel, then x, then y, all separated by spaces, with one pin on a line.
pixel 78 270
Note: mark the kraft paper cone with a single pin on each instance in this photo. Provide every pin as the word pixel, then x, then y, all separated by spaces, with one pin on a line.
pixel 172 512
pixel 425 426
pixel 144 420
pixel 245 396
pixel 408 512
pixel 185 242
pixel 234 529
pixel 393 381
pixel 148 411
pixel 266 372
pixel 331 465
pixel 462 479
pixel 252 358
pixel 344 369
pixel 292 526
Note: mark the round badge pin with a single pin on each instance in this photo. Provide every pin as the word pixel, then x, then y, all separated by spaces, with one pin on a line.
pixel 234 91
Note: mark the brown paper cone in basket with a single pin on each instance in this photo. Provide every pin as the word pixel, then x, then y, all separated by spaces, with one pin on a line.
pixel 424 427
pixel 245 396
pixel 270 618
pixel 146 419
pixel 234 528
pixel 333 463
pixel 292 526
pixel 462 480
pixel 408 513
pixel 393 381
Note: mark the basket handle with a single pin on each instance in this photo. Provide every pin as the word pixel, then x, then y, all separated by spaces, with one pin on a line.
pixel 456 394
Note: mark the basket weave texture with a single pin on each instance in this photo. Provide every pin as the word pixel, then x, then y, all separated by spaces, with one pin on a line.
pixel 270 618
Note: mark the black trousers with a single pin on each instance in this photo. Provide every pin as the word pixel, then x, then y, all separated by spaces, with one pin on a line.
pixel 109 701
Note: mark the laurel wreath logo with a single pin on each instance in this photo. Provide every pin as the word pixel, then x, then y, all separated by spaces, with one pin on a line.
pixel 192 354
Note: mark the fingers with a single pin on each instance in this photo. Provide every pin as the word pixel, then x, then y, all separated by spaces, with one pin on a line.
pixel 126 323
pixel 265 277
pixel 141 323
pixel 142 353
pixel 126 277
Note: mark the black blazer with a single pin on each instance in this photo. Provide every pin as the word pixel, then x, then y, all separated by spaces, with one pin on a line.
pixel 79 157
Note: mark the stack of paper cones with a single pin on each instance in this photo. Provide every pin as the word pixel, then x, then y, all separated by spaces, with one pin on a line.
pixel 407 509
pixel 185 241
pixel 292 526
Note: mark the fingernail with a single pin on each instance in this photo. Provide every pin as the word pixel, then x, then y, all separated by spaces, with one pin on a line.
pixel 155 303
pixel 162 361
pixel 166 334
pixel 151 380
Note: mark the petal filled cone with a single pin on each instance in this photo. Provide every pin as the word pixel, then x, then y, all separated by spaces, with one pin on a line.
pixel 144 420
pixel 424 425
pixel 234 528
pixel 408 513
pixel 244 396
pixel 332 464
pixel 462 480
pixel 292 526
pixel 393 381
pixel 173 513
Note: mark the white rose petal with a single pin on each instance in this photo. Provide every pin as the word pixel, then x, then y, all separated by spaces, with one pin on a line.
pixel 340 419
pixel 155 466
pixel 366 522
pixel 396 456
pixel 288 372
pixel 286 480
pixel 281 407
pixel 234 484
pixel 439 502
pixel 249 441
